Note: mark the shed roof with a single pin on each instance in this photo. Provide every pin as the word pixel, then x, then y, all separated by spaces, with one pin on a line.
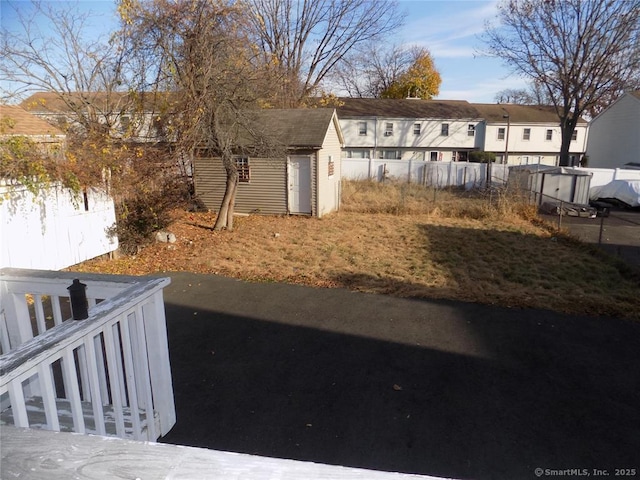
pixel 494 112
pixel 406 108
pixel 15 120
pixel 295 128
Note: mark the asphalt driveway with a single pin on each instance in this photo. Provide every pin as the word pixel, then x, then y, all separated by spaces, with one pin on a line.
pixel 617 234
pixel 434 387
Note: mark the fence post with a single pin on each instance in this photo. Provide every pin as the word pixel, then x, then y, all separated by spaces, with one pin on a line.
pixel 601 230
pixel 560 216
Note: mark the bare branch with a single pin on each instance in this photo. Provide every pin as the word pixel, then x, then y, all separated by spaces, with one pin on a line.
pixel 581 52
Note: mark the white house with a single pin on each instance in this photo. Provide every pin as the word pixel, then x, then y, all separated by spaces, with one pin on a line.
pixel 139 118
pixel 528 134
pixel 614 135
pixel 447 130
pixel 437 130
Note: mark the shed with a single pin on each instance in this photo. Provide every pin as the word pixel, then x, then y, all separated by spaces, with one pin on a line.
pixel 306 180
pixel 551 184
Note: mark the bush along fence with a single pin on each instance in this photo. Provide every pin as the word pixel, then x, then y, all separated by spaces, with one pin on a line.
pixel 432 174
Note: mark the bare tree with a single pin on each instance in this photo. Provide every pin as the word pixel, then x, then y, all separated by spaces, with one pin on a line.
pixel 48 50
pixel 368 71
pixel 578 51
pixel 306 39
pixel 197 50
pixel 535 94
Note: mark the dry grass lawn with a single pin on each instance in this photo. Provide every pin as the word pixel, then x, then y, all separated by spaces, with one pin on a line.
pixel 407 241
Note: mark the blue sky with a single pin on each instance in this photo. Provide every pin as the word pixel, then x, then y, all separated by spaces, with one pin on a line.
pixel 450 29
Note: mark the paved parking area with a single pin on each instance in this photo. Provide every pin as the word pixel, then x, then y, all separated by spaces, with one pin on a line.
pixel 618 234
pixel 442 388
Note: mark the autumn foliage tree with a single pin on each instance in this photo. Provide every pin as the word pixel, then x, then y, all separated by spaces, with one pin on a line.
pixel 420 80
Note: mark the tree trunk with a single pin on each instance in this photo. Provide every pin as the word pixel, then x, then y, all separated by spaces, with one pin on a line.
pixel 568 126
pixel 232 204
pixel 225 216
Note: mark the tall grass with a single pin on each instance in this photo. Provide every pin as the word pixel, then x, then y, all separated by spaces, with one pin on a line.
pixel 370 197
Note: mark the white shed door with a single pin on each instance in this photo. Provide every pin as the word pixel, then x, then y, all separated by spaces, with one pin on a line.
pixel 299 184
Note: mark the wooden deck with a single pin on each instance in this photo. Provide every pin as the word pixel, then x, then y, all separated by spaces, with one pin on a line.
pixel 40 454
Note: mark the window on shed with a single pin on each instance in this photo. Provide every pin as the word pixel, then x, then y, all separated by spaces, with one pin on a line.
pixel 362 128
pixel 388 129
pixel 501 132
pixel 332 166
pixel 444 130
pixel 416 128
pixel 244 171
pixel 526 134
pixel 549 134
pixel 471 130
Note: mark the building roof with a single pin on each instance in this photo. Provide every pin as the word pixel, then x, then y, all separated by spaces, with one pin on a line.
pixel 406 108
pixel 15 120
pixel 445 109
pixel 111 102
pixel 494 113
pixel 295 128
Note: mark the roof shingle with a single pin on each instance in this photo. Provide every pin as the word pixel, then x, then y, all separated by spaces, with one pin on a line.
pixel 406 108
pixel 15 120
pixel 295 128
pixel 494 112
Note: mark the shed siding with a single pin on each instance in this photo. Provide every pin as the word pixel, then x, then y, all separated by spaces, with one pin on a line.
pixel 266 193
pixel 329 187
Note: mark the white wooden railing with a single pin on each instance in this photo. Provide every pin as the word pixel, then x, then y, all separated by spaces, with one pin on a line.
pixel 108 374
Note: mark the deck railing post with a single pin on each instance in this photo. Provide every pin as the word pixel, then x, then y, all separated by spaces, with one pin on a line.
pixel 79 303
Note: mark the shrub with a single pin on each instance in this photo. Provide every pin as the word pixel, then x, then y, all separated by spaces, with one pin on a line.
pixel 482 157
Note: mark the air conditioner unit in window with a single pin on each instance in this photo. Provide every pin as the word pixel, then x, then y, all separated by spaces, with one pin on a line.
pixel 388 134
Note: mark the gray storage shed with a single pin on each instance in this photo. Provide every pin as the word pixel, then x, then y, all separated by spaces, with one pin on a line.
pixel 551 184
pixel 306 180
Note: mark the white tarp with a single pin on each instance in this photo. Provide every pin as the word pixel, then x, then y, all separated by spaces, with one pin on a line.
pixel 627 191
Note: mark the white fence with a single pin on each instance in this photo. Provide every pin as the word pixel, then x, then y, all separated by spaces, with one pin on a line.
pixel 107 375
pixel 436 174
pixel 54 229
pixel 602 176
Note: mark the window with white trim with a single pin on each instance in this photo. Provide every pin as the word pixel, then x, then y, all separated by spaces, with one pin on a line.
pixel 501 132
pixel 388 129
pixel 471 130
pixel 416 128
pixel 362 128
pixel 244 170
pixel 526 134
pixel 444 130
pixel 549 136
pixel 574 136
pixel 331 166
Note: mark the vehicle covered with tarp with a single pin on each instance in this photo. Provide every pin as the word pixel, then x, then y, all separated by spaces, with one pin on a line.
pixel 619 192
